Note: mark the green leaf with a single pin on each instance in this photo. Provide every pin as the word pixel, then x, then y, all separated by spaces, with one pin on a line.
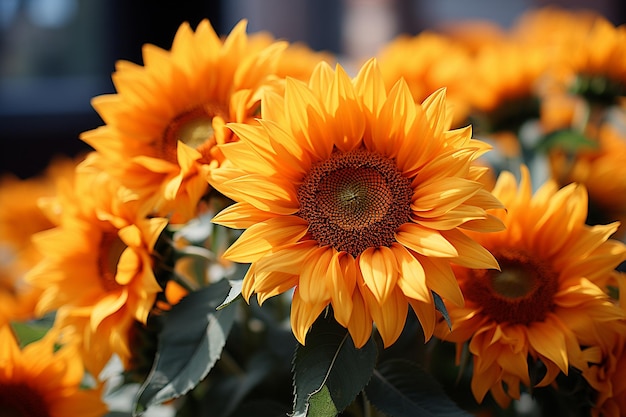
pixel 568 140
pixel 400 388
pixel 441 307
pixel 190 342
pixel 28 333
pixel 329 371
pixel 233 294
pixel 321 404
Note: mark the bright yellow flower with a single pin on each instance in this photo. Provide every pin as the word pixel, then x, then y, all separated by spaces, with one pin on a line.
pixel 504 85
pixel 602 171
pixel 22 215
pixel 298 60
pixel 584 48
pixel 40 380
pixel 607 375
pixel 97 268
pixel 556 28
pixel 428 62
pixel 163 123
pixel 547 301
pixel 355 196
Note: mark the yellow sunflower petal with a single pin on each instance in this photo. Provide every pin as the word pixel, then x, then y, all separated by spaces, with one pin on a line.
pixel 360 326
pixel 379 271
pixel 548 340
pixel 313 275
pixel 412 278
pixel 241 215
pixel 274 196
pixel 425 241
pixel 341 284
pixel 441 279
pixel 262 237
pixel 471 254
pixel 389 315
pixel 303 315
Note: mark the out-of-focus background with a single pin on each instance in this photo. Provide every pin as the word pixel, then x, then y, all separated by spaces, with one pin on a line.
pixel 55 55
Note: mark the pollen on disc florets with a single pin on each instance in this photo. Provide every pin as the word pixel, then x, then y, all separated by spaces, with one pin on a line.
pixel 355 200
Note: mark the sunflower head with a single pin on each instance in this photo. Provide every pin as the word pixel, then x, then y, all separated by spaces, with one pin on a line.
pixel 546 306
pixel 163 124
pixel 354 195
pixel 44 380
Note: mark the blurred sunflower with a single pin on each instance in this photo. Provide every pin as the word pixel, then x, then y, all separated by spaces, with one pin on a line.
pixel 41 380
pixel 297 60
pixel 607 376
pixel 602 171
pixel 97 266
pixel 553 27
pixel 21 215
pixel 503 87
pixel 166 117
pixel 428 62
pixel 355 196
pixel 545 303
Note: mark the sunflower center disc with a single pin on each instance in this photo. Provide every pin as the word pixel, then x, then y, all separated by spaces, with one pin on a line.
pixel 521 293
pixel 192 127
pixel 355 200
pixel 19 400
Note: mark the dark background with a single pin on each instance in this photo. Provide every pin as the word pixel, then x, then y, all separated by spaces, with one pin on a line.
pixel 50 69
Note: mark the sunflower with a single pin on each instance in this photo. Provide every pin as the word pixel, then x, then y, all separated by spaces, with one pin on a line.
pixel 354 196
pixel 97 266
pixel 547 302
pixel 602 171
pixel 607 377
pixel 40 380
pixel 428 61
pixel 504 86
pixel 21 215
pixel 166 117
pixel 584 49
pixel 297 60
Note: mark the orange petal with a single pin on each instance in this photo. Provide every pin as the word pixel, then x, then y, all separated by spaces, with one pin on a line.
pixel 312 285
pixel 379 270
pixel 303 315
pixel 425 241
pixel 471 254
pixel 412 278
pixel 263 237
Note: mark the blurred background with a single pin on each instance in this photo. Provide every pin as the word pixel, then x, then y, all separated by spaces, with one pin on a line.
pixel 55 55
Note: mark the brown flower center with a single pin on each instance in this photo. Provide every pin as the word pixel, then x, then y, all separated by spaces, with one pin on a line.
pixel 20 400
pixel 521 293
pixel 355 200
pixel 110 251
pixel 193 127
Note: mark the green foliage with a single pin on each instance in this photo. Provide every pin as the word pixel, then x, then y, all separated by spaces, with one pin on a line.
pixel 400 388
pixel 568 140
pixel 329 371
pixel 233 294
pixel 28 332
pixel 441 307
pixel 190 342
